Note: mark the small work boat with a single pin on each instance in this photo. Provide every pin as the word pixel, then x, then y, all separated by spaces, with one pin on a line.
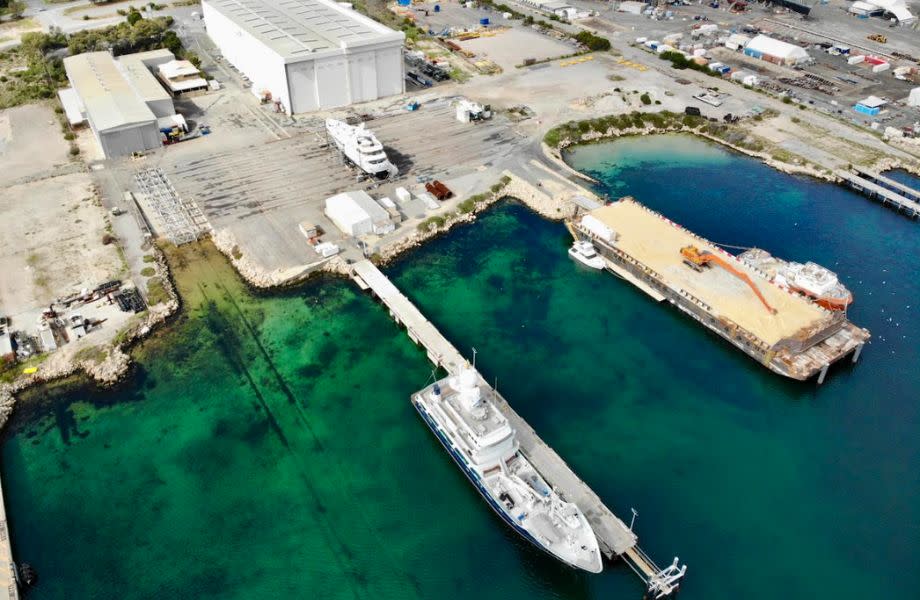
pixel 583 251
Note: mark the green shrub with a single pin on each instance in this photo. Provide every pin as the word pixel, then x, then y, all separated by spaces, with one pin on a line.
pixel 645 98
pixel 593 42
pixel 148 271
pixel 156 291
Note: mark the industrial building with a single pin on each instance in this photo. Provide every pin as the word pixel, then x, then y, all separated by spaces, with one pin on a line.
pixel 776 51
pixel 871 106
pixel 306 55
pixel 356 214
pixel 120 99
pixel 181 77
pixel 552 7
pixel 737 41
pixel 896 8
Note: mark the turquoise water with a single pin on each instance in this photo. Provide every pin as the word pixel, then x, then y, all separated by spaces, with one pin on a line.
pixel 266 448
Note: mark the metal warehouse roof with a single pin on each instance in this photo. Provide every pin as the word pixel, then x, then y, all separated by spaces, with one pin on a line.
pixel 873 102
pixel 107 95
pixel 298 28
pixel 136 70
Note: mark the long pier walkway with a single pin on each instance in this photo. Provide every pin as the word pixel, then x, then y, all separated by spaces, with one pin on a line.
pixel 9 587
pixel 614 537
pixel 887 182
pixel 888 191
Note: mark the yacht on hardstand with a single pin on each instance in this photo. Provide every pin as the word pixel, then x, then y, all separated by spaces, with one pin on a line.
pixel 362 148
pixel 461 414
pixel 811 279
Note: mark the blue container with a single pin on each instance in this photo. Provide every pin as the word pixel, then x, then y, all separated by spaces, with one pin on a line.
pixel 437 8
pixel 404 2
pixel 484 21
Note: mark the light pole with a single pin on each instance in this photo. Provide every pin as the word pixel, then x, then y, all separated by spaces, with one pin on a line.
pixel 634 515
pixel 474 358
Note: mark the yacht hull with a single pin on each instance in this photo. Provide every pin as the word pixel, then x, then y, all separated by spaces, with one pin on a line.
pixel 473 477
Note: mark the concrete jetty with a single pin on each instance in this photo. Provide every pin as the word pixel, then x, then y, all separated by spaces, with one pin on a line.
pixel 614 537
pixel 8 585
pixel 884 189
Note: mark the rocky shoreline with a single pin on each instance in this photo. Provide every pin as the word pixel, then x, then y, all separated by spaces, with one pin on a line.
pixel 115 364
pixel 552 206
pixel 592 137
pixel 884 164
pixel 540 201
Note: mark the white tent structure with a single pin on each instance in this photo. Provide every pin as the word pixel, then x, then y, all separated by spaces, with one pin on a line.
pixel 776 51
pixel 356 214
pixel 914 98
pixel 898 8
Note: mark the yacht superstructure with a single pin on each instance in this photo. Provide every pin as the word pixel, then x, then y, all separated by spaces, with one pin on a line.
pixel 461 414
pixel 809 279
pixel 362 148
pixel 584 252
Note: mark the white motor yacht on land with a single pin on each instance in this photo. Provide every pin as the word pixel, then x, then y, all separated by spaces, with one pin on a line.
pixel 362 148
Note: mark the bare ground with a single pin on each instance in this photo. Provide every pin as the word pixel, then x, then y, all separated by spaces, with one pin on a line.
pixel 52 242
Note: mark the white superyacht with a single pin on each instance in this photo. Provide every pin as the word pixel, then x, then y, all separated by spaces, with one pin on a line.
pixel 362 148
pixel 462 416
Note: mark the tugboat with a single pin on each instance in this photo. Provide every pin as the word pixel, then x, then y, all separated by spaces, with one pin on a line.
pixel 583 251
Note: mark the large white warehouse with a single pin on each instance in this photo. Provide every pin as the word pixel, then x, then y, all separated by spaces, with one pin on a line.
pixel 307 54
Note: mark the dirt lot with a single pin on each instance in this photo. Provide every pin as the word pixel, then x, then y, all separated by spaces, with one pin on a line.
pixel 512 46
pixel 30 142
pixel 52 226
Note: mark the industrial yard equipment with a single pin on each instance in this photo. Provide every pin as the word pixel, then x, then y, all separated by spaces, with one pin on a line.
pixel 696 260
pixel 438 190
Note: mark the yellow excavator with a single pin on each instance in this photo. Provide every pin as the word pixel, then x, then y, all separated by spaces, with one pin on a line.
pixel 696 260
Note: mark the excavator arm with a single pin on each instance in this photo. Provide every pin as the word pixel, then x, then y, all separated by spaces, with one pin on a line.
pixel 693 255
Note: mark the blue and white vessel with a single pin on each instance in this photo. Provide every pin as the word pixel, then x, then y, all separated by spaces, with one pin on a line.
pixel 460 412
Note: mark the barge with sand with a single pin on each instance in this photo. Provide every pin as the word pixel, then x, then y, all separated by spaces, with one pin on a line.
pixel 786 332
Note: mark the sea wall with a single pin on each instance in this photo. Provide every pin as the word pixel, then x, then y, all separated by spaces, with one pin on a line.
pixel 544 202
